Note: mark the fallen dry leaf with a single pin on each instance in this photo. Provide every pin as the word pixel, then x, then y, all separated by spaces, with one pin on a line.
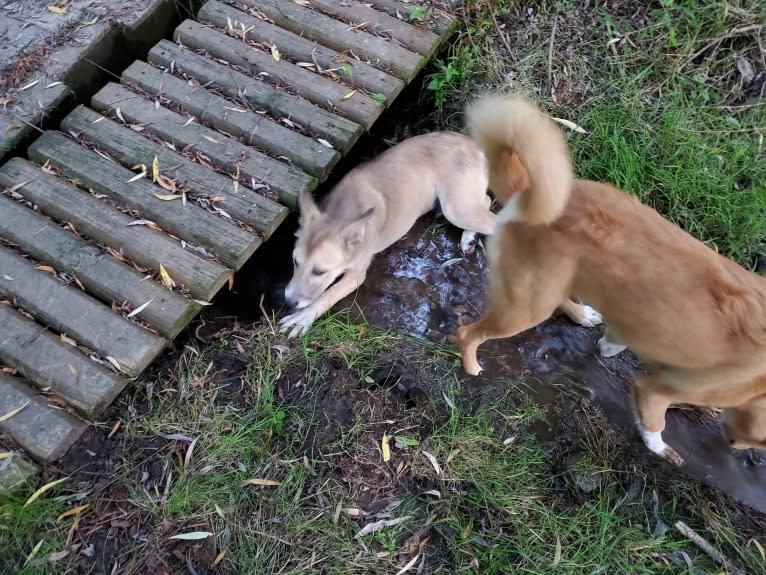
pixel 347 96
pixel 571 125
pixel 275 52
pixel 385 448
pixel 193 536
pixel 167 281
pixel 262 482
pixel 73 511
pixel 166 183
pixel 119 115
pixel 44 268
pixel 58 555
pixel 155 168
pixel 57 9
pixel 140 308
pixel 72 369
pixel 378 525
pixel 43 489
pixel 13 412
pixel 167 197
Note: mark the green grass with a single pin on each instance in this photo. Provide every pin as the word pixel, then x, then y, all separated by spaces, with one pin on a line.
pixel 666 118
pixel 501 501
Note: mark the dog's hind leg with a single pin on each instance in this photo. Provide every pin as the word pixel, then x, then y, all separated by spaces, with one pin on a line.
pixel 651 402
pixel 470 212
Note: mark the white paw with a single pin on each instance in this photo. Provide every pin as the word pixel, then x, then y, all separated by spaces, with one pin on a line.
pixel 468 242
pixel 653 440
pixel 297 323
pixel 590 318
pixel 609 349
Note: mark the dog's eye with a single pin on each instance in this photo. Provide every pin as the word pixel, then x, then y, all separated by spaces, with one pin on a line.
pixel 317 272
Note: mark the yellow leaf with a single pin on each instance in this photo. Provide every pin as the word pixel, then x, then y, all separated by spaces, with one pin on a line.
pixel 231 282
pixel 44 268
pixel 210 139
pixel 385 448
pixel 73 511
pixel 219 558
pixel 347 96
pixel 155 168
pixel 275 52
pixel 263 482
pixel 43 489
pixel 13 412
pixel 5 454
pixel 72 369
pixel 167 197
pixel 167 281
pixel 57 9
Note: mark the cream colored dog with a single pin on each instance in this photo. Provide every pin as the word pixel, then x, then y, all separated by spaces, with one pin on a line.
pixel 698 320
pixel 376 204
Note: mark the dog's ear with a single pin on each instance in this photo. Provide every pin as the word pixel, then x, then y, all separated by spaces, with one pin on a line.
pixel 517 175
pixel 308 208
pixel 353 233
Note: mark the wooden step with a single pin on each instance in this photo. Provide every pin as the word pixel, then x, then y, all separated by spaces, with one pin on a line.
pixel 44 431
pixel 286 108
pixel 124 144
pixel 437 21
pixel 102 275
pixel 332 33
pixel 49 363
pixel 352 71
pixel 75 314
pixel 64 202
pixel 224 238
pixel 361 16
pixel 359 108
pixel 253 129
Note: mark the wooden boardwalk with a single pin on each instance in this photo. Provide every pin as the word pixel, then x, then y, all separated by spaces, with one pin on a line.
pixel 117 228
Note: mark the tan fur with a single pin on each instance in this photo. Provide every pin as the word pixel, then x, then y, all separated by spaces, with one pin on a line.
pixel 374 205
pixel 696 319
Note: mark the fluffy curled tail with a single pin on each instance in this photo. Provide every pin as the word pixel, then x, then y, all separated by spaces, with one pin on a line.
pixel 530 168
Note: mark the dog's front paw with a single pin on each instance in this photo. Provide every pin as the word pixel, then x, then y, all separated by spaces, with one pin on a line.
pixel 590 317
pixel 468 242
pixel 653 440
pixel 297 323
pixel 608 349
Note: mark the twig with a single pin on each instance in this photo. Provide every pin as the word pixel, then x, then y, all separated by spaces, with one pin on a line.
pixel 695 538
pixel 550 52
pixel 501 34
pixel 716 41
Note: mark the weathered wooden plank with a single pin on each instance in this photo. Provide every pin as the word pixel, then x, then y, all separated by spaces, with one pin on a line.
pixel 340 132
pixel 253 129
pixel 48 362
pixel 44 431
pixel 340 36
pixel 149 248
pixel 359 108
pixel 223 238
pixel 351 69
pixel 100 273
pixel 15 471
pixel 70 311
pixel 438 21
pixel 356 14
pixel 241 202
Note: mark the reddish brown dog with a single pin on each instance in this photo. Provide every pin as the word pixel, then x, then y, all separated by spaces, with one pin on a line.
pixel 697 319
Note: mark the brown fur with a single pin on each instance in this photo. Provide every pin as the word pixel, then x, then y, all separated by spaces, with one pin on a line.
pixel 696 319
